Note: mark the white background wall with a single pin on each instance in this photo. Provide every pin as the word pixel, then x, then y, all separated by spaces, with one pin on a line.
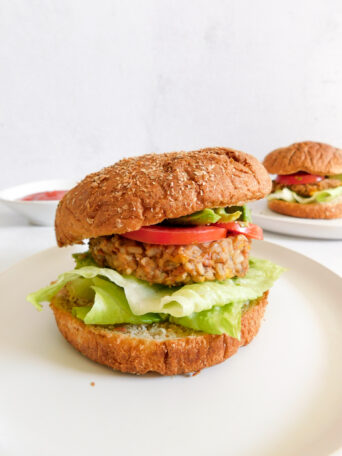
pixel 84 83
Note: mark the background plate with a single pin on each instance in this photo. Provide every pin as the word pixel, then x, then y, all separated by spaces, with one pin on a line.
pixel 278 223
pixel 280 395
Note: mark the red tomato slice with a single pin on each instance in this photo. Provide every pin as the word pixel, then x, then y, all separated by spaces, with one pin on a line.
pixel 298 178
pixel 177 236
pixel 249 230
pixel 166 235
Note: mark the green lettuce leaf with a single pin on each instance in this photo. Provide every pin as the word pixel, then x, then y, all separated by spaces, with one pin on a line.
pixel 48 292
pixel 111 307
pixel 144 298
pixel 217 320
pixel 219 214
pixel 81 311
pixel 226 215
pixel 109 298
pixel 80 290
pixel 323 196
pixel 246 215
pixel 83 259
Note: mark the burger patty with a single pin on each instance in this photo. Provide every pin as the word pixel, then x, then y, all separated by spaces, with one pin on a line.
pixel 309 189
pixel 173 264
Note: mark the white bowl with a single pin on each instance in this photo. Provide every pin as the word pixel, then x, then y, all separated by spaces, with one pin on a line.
pixel 37 212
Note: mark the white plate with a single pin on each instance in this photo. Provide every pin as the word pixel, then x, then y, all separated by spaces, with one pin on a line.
pixel 37 212
pixel 281 395
pixel 278 223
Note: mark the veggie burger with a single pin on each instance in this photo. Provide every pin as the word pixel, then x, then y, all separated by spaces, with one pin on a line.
pixel 309 180
pixel 167 284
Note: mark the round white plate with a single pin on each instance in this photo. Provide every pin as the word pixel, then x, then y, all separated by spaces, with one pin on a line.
pixel 278 223
pixel 281 395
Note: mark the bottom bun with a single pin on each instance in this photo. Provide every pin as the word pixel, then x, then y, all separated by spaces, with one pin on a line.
pixel 165 348
pixel 314 211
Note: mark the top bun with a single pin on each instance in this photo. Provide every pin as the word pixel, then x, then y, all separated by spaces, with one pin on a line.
pixel 146 190
pixel 311 157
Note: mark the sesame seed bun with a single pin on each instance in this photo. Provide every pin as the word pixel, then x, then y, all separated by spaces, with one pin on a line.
pixel 167 351
pixel 146 190
pixel 311 157
pixel 330 210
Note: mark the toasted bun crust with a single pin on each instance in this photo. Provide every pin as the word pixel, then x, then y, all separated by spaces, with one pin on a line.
pixel 145 190
pixel 314 211
pixel 168 356
pixel 308 156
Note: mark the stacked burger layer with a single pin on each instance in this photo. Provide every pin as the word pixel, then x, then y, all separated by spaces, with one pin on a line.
pixel 309 181
pixel 167 284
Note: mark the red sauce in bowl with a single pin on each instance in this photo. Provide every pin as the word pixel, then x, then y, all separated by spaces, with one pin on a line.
pixel 54 195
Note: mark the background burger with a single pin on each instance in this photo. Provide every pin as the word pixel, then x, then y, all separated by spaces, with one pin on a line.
pixel 309 181
pixel 167 284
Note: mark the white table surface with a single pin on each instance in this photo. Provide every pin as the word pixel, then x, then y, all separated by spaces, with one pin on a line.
pixel 19 240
